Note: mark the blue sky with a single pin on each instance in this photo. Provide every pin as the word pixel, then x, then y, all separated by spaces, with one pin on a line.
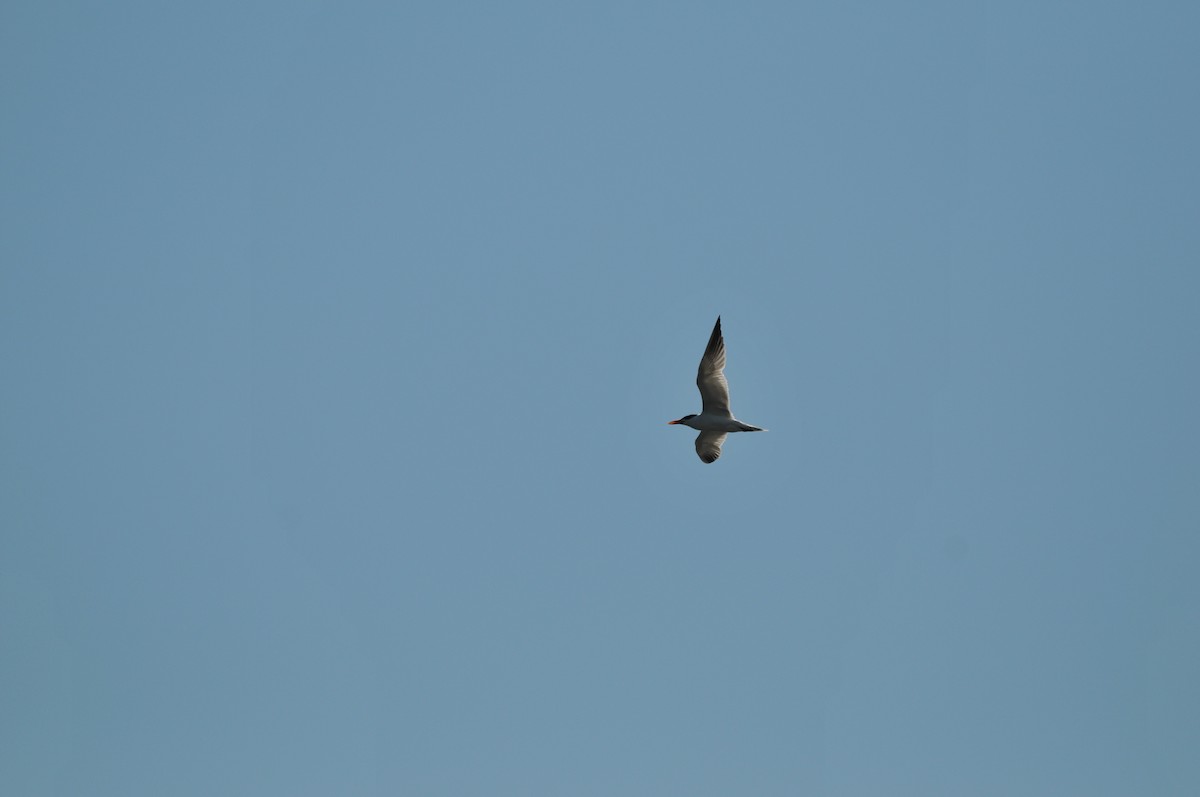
pixel 339 341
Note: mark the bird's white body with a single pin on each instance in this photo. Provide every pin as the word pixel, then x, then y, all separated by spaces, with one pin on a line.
pixel 715 419
pixel 713 422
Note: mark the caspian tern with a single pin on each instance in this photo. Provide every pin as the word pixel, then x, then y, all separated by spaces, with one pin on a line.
pixel 715 420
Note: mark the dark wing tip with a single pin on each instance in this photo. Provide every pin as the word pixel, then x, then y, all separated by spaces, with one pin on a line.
pixel 715 340
pixel 709 459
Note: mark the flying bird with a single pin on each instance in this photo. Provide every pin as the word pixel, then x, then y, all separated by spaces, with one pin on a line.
pixel 715 420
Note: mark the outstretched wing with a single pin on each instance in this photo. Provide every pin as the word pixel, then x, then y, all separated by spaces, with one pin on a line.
pixel 710 378
pixel 708 446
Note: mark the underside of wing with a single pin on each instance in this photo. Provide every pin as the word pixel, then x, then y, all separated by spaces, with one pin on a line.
pixel 710 377
pixel 708 446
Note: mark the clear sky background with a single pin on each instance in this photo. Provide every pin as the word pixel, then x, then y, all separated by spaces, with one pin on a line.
pixel 338 342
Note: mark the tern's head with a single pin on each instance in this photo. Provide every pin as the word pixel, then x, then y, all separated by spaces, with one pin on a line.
pixel 684 419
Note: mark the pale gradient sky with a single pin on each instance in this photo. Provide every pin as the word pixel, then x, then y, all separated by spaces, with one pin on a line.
pixel 338 342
